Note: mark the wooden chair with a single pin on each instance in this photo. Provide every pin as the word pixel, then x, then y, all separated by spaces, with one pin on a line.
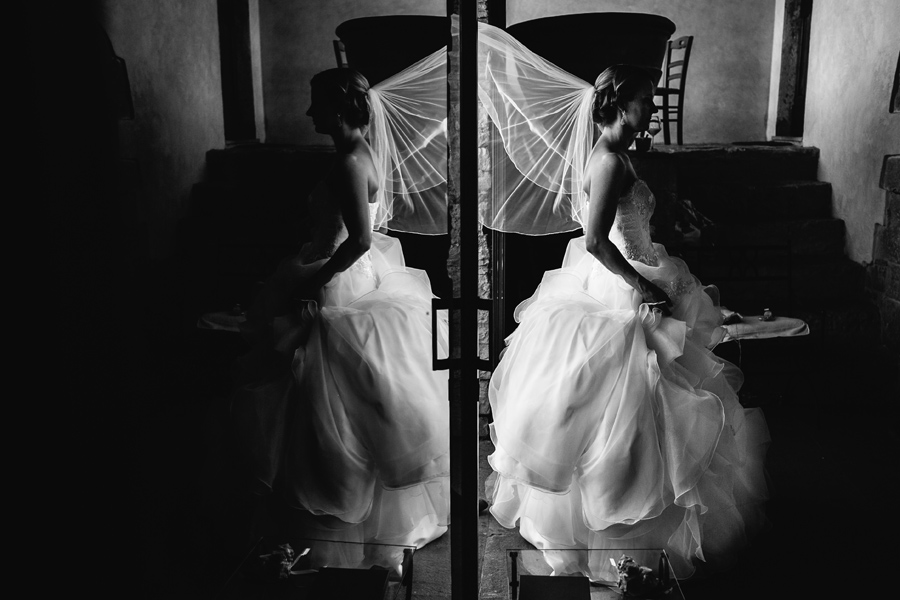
pixel 340 54
pixel 678 53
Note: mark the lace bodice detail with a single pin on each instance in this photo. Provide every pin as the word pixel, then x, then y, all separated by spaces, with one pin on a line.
pixel 329 231
pixel 631 229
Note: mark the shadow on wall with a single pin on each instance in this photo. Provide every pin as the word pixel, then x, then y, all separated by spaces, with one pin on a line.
pixel 172 53
pixel 895 90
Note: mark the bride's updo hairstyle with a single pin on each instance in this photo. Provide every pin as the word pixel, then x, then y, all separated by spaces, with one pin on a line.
pixel 348 92
pixel 613 89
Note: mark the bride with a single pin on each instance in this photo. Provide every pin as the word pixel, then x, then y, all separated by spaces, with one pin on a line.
pixel 339 409
pixel 615 426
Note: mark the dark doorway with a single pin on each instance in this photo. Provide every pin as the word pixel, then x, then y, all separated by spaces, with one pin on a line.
pixel 794 63
pixel 237 70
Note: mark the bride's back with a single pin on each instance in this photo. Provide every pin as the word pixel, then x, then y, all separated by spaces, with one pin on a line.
pixel 325 210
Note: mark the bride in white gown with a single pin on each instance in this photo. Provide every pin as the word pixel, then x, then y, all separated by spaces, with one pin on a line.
pixel 615 426
pixel 339 409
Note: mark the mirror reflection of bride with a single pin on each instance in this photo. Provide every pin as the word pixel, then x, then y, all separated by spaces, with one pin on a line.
pixel 339 410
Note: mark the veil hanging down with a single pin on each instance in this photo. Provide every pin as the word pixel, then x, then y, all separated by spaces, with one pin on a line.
pixel 542 114
pixel 408 135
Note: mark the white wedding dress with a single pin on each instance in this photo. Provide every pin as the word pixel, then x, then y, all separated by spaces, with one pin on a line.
pixel 341 412
pixel 616 427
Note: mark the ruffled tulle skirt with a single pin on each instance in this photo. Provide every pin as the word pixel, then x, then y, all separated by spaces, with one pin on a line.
pixel 341 412
pixel 616 427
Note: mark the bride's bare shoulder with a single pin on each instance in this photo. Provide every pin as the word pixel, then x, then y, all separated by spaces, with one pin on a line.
pixel 607 170
pixel 605 165
pixel 355 164
pixel 356 168
pixel 602 160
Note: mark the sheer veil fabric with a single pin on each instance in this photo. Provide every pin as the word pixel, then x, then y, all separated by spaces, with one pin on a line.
pixel 542 115
pixel 408 136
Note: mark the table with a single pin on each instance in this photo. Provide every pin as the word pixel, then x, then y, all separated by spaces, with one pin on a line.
pixel 529 573
pixel 754 328
pixel 323 570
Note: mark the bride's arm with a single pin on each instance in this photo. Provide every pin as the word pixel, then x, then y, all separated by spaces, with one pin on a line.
pixel 349 185
pixel 607 179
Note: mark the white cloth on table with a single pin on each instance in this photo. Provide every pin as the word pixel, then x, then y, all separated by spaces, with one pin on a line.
pixel 754 328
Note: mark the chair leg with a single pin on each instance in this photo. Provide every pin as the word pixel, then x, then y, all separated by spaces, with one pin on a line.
pixel 667 138
pixel 680 117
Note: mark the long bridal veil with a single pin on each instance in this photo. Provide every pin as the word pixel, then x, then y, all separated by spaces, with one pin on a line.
pixel 408 135
pixel 541 114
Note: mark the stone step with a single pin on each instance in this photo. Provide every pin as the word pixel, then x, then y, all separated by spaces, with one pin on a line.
pixel 821 237
pixel 274 164
pixel 842 329
pixel 236 203
pixel 887 241
pixel 762 202
pixel 850 325
pixel 729 164
pixel 235 235
pixel 828 283
pixel 785 287
pixel 840 360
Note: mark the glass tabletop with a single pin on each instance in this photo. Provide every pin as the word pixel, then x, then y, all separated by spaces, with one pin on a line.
pixel 313 569
pixel 591 574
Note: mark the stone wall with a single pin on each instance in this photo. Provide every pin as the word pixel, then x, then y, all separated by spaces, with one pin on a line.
pixel 454 200
pixel 484 250
pixel 883 280
pixel 484 256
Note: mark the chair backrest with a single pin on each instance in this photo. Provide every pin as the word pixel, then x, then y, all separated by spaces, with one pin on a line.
pixel 678 54
pixel 340 54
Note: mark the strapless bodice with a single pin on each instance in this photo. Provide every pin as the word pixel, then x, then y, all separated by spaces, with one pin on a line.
pixel 329 230
pixel 328 225
pixel 631 229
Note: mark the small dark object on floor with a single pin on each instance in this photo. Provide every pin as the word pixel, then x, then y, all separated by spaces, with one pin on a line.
pixel 276 565
pixel 638 581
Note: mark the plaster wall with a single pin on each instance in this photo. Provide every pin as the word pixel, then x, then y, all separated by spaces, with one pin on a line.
pixel 256 62
pixel 296 43
pixel 171 50
pixel 847 95
pixel 727 95
pixel 775 73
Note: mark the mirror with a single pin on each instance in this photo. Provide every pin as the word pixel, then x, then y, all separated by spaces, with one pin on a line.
pixel 224 160
pixel 365 454
pixel 380 47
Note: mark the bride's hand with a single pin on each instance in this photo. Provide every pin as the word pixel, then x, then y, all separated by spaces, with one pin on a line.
pixel 653 295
